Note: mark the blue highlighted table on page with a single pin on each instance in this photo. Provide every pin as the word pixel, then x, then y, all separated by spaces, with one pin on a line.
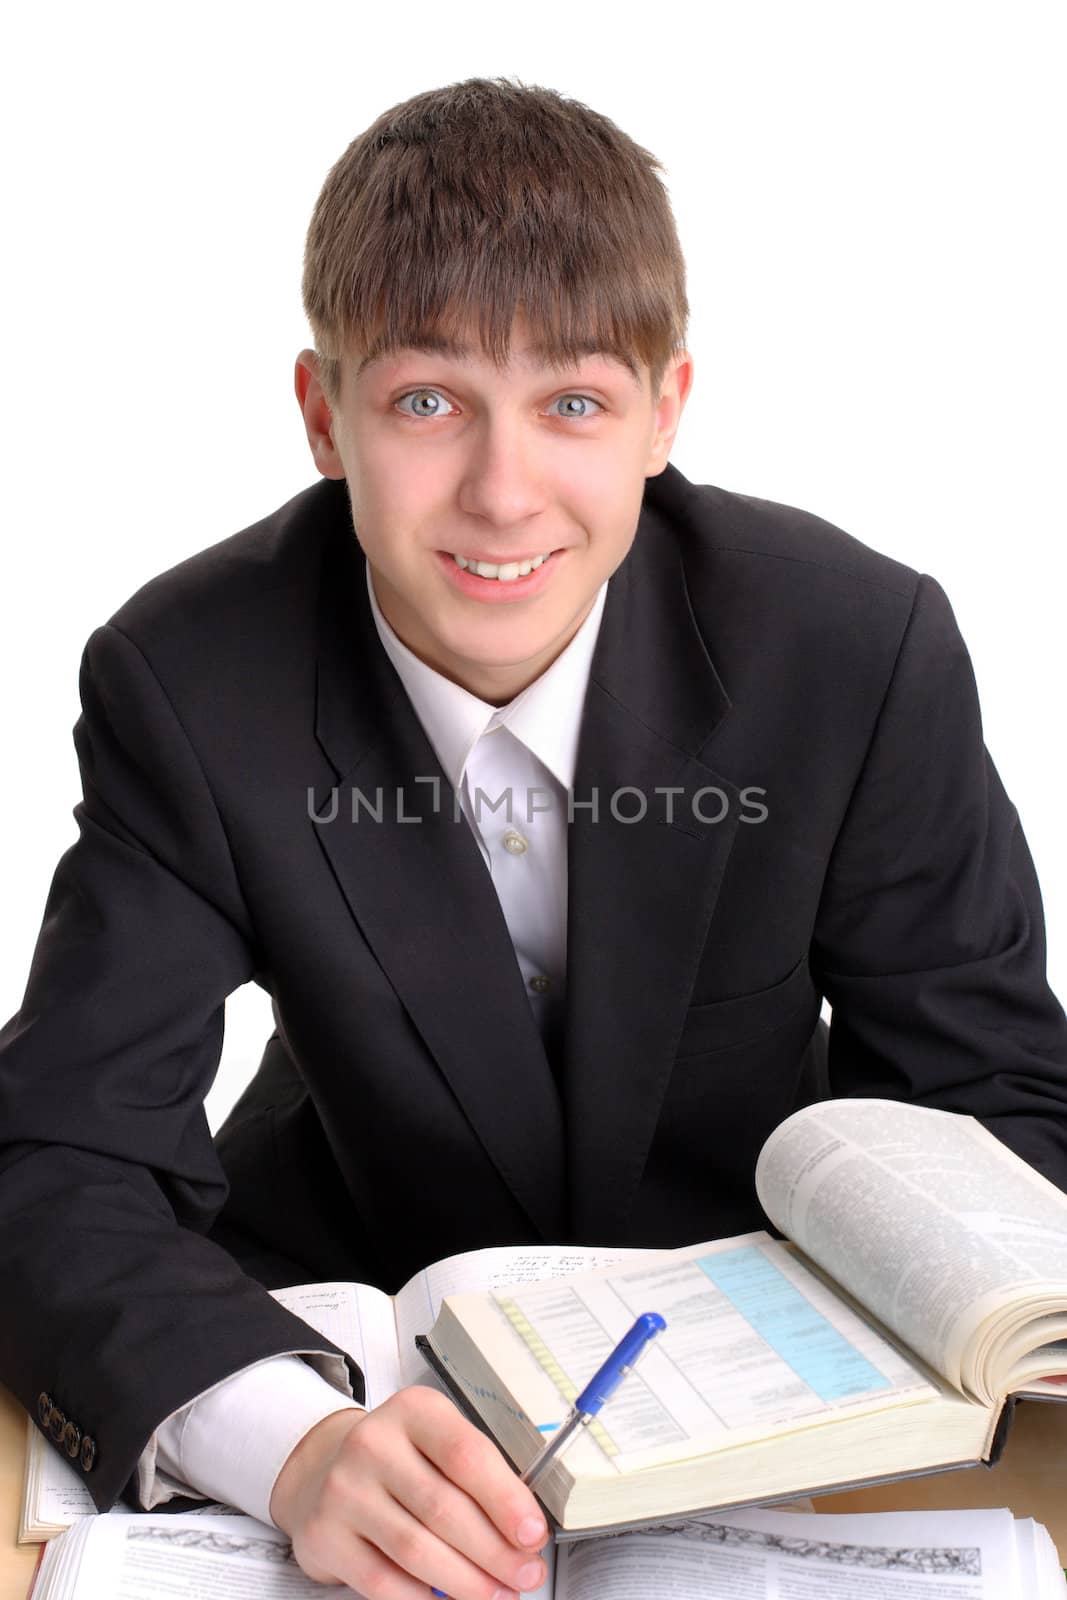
pixel 791 1325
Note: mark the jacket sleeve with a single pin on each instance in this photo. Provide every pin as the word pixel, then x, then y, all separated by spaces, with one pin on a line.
pixel 116 1309
pixel 930 941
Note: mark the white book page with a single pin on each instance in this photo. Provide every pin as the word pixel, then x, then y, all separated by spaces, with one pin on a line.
pixel 60 1563
pixel 56 1494
pixel 927 1219
pixel 359 1319
pixel 191 1556
pixel 926 1555
pixel 379 1332
pixel 1040 1573
pixel 175 1558
pixel 755 1345
pixel 1053 1577
pixel 419 1301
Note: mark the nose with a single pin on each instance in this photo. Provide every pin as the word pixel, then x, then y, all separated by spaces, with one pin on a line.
pixel 502 482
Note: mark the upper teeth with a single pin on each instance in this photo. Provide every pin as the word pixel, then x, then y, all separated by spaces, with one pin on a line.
pixel 507 571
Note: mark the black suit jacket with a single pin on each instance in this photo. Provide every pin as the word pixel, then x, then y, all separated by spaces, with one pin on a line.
pixel 750 657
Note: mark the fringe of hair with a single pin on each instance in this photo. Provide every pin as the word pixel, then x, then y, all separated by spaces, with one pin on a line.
pixel 467 205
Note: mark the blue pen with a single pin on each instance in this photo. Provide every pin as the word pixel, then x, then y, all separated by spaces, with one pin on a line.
pixel 592 1398
pixel 599 1389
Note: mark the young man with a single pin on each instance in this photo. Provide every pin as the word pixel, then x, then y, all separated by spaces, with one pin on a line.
pixel 547 794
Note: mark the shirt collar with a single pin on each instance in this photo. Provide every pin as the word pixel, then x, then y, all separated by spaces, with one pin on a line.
pixel 546 717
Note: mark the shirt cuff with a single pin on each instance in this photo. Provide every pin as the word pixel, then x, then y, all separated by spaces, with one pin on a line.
pixel 231 1442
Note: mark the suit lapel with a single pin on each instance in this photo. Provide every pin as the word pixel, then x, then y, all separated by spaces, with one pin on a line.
pixel 640 893
pixel 425 903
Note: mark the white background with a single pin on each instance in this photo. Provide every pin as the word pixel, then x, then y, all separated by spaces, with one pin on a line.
pixel 870 197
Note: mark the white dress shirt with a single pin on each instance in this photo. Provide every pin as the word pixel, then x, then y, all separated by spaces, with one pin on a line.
pixel 511 768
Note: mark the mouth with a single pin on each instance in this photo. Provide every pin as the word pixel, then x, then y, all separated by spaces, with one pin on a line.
pixel 500 582
pixel 501 571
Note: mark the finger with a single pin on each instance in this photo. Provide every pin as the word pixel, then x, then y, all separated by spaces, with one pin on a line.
pixel 408 1508
pixel 398 1560
pixel 416 1549
pixel 471 1461
pixel 440 1508
pixel 359 1565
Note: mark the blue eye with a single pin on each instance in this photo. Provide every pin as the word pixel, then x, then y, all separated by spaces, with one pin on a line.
pixel 432 403
pixel 583 399
pixel 422 395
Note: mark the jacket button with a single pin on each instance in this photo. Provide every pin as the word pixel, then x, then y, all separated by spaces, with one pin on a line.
pixel 44 1408
pixel 72 1438
pixel 88 1453
pixel 56 1424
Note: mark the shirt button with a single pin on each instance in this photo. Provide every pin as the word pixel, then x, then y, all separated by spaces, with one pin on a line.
pixel 514 843
pixel 540 985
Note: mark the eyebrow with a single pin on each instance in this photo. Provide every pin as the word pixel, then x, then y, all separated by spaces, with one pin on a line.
pixel 440 345
pixel 430 346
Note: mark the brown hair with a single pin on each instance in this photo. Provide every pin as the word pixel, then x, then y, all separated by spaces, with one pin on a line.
pixel 469 203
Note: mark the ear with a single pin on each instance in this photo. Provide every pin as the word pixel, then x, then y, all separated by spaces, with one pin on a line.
pixel 318 417
pixel 674 392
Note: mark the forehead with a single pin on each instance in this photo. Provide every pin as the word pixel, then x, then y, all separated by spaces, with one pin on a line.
pixel 525 355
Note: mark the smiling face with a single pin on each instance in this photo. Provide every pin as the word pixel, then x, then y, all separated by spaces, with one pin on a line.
pixel 491 501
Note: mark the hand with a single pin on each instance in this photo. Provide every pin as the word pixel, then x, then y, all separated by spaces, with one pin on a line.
pixel 406 1497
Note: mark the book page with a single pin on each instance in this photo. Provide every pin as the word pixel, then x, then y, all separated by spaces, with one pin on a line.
pixel 419 1301
pixel 186 1557
pixel 780 1555
pixel 55 1495
pixel 54 1491
pixel 160 1558
pixel 1040 1573
pixel 755 1345
pixel 359 1319
pixel 930 1222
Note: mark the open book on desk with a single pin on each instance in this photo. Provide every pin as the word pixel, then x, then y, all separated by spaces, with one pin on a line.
pixel 923 1555
pixel 927 1283
pixel 377 1330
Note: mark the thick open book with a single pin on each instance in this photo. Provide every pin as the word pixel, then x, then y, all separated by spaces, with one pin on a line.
pixel 925 1284
pixel 377 1330
pixel 922 1555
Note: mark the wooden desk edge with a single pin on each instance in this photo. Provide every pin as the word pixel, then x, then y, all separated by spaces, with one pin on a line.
pixel 17 1563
